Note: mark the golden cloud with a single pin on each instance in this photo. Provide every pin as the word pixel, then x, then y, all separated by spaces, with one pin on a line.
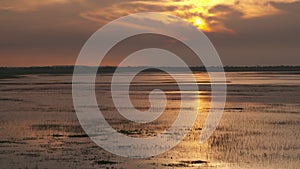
pixel 207 15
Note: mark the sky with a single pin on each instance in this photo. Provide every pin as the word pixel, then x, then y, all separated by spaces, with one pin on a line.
pixel 245 33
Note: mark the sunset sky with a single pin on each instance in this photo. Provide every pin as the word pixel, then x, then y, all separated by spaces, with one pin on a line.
pixel 52 32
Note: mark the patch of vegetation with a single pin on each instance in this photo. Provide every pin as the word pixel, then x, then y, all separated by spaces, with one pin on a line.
pixel 194 162
pixel 78 136
pixel 175 165
pixel 58 127
pixel 130 132
pixel 105 162
pixel 57 135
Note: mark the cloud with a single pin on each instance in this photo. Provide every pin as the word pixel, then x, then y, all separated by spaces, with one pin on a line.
pixel 53 31
pixel 260 40
pixel 206 15
pixel 104 15
pixel 28 5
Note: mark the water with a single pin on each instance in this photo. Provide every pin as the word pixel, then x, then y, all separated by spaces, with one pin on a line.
pixel 259 127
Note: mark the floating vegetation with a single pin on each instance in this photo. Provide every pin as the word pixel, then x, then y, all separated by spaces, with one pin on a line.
pixel 290 122
pixel 106 162
pixel 58 127
pixel 57 135
pixel 194 162
pixel 130 132
pixel 12 100
pixel 78 136
pixel 11 142
pixel 186 163
pixel 29 154
pixel 175 165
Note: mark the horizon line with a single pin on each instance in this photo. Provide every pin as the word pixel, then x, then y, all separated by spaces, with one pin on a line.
pixel 109 66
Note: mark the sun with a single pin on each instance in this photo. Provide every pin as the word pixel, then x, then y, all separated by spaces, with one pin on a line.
pixel 199 23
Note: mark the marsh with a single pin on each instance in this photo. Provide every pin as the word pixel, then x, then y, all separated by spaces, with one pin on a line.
pixel 259 128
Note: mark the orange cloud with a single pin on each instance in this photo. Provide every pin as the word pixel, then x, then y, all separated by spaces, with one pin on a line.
pixel 29 5
pixel 197 12
pixel 207 15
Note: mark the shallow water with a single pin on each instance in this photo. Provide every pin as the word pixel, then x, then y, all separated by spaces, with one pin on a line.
pixel 259 128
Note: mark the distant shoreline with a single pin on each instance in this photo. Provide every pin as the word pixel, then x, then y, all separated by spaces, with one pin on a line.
pixel 15 72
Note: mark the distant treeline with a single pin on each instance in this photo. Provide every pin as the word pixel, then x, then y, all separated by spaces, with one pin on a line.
pixel 13 72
